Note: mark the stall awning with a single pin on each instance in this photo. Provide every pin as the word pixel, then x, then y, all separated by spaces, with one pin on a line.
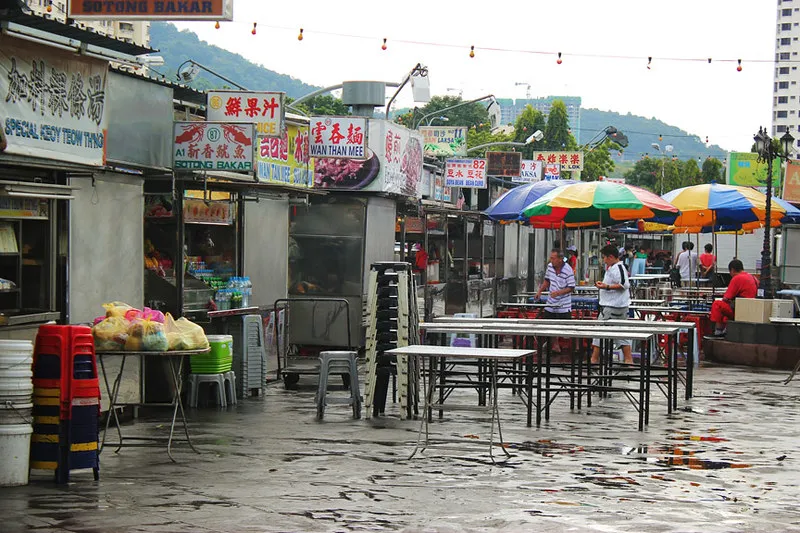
pixel 29 189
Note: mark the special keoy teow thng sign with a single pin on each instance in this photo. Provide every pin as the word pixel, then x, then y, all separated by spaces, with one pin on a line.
pixel 151 9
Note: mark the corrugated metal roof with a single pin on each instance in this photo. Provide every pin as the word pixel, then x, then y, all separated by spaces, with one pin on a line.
pixel 16 11
pixel 179 91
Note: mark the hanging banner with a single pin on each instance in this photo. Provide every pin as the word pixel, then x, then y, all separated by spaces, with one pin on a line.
pixel 201 212
pixel 393 163
pixel 285 161
pixel 338 137
pixel 530 172
pixel 746 170
pixel 151 9
pixel 444 141
pixel 213 146
pixel 552 172
pixel 264 109
pixel 468 173
pixel 52 102
pixel 566 160
pixel 791 184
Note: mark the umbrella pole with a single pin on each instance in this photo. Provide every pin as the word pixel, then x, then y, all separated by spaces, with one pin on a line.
pixel 736 245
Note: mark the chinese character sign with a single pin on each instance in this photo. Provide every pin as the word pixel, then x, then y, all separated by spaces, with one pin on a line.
pixel 469 173
pixel 552 171
pixel 401 160
pixel 213 146
pixel 265 110
pixel 444 141
pixel 52 102
pixel 152 9
pixel 338 137
pixel 565 160
pixel 530 171
pixel 286 160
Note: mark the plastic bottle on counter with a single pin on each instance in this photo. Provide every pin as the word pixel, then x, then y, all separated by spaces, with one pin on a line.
pixel 247 291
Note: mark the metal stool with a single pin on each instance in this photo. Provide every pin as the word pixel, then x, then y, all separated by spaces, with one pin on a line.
pixel 338 363
pixel 195 380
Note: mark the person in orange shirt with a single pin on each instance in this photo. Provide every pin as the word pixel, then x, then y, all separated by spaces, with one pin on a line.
pixel 708 262
pixel 742 285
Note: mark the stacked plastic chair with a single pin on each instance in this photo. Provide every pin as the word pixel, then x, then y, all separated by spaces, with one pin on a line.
pixel 66 402
pixel 249 356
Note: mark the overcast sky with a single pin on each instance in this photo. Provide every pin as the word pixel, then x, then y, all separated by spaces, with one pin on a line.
pixel 707 100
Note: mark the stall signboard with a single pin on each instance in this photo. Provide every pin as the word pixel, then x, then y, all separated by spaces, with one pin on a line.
pixel 213 146
pixel 444 141
pixel 745 169
pixel 52 102
pixel 467 173
pixel 285 161
pixel 15 207
pixel 791 184
pixel 567 160
pixel 202 212
pixel 151 9
pixel 440 192
pixel 413 225
pixel 264 109
pixel 338 137
pixel 552 171
pixel 393 165
pixel 530 172
pixel 504 164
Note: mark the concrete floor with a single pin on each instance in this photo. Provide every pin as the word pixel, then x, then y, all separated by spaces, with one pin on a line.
pixel 727 461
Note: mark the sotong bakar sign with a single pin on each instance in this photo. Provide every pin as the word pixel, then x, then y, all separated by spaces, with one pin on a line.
pixel 213 146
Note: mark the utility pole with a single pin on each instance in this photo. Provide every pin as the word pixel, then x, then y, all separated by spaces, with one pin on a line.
pixel 527 88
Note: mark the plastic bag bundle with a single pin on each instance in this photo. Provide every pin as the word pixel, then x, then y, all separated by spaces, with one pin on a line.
pixel 183 334
pixel 146 335
pixel 117 309
pixel 110 334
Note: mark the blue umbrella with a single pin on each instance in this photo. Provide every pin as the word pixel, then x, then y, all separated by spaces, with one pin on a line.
pixel 510 205
pixel 792 213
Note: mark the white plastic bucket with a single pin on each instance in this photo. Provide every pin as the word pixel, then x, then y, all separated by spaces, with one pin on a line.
pixel 15 413
pixel 15 449
pixel 16 374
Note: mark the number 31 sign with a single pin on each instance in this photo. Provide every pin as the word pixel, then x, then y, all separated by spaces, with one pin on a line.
pixel 468 173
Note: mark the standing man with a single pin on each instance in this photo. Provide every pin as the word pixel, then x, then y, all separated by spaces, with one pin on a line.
pixel 687 262
pixel 615 298
pixel 559 279
pixel 742 285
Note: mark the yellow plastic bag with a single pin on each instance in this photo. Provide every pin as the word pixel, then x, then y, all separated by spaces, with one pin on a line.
pixel 116 309
pixel 182 334
pixel 111 334
pixel 146 335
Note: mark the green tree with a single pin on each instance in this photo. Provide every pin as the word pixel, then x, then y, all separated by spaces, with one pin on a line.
pixel 469 115
pixel 556 133
pixel 528 122
pixel 712 170
pixel 323 105
pixel 645 173
pixel 598 162
pixel 477 137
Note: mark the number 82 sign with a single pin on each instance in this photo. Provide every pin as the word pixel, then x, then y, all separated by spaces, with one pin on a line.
pixel 467 173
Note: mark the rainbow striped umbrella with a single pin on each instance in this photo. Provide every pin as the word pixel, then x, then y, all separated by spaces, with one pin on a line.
pixel 597 203
pixel 510 205
pixel 722 206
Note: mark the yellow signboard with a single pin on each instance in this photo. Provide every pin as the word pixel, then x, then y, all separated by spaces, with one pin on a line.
pixel 285 160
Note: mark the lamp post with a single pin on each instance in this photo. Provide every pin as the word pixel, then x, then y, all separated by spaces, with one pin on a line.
pixel 536 136
pixel 443 119
pixel 766 151
pixel 667 149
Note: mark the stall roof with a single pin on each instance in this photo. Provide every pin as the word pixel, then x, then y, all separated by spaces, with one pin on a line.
pixel 17 12
pixel 179 91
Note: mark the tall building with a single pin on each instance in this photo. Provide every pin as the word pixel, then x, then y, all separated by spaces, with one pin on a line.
pixel 786 93
pixel 511 109
pixel 137 32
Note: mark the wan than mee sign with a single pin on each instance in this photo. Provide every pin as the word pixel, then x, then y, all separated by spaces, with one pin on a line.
pixel 152 9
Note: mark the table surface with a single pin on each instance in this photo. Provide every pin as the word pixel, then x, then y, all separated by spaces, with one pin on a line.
pixel 790 321
pixel 456 352
pixel 536 321
pixel 789 292
pixel 234 312
pixel 649 276
pixel 141 352
pixel 650 309
pixel 554 330
pixel 514 304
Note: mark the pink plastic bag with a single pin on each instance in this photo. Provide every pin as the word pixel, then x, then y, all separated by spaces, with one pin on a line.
pixel 155 316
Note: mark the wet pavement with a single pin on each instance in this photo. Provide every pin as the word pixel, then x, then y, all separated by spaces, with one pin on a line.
pixel 726 461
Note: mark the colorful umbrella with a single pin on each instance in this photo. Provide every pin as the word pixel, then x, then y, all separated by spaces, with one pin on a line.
pixel 597 203
pixel 510 205
pixel 724 206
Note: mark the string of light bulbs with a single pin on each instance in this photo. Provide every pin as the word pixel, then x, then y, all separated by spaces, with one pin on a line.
pixel 560 57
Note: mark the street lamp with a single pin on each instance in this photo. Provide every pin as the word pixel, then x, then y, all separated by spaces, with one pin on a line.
pixel 443 119
pixel 667 149
pixel 189 75
pixel 536 136
pixel 767 152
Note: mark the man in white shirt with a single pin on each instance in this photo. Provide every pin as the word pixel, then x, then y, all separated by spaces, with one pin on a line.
pixel 559 280
pixel 687 262
pixel 615 299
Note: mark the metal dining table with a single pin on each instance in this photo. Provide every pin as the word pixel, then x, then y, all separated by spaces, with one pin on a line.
pixel 604 375
pixel 436 357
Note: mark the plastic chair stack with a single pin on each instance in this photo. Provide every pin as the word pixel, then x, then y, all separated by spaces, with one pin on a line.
pixel 338 363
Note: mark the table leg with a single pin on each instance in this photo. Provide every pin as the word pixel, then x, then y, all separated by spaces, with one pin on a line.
pixel 427 387
pixel 670 370
pixel 442 379
pixel 547 379
pixel 495 415
pixel 690 357
pixel 649 366
pixel 176 400
pixel 539 382
pixel 642 388
pixel 113 394
pixel 529 385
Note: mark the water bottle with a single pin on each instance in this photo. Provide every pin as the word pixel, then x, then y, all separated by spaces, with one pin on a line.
pixel 247 291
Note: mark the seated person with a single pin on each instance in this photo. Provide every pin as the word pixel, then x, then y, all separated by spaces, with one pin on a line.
pixel 742 285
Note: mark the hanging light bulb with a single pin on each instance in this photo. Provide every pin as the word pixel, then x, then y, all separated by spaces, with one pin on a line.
pixel 739 67
pixel 660 138
pixel 254 28
pixel 383 46
pixel 709 60
pixel 216 25
pixel 50 6
pixel 300 35
pixel 649 60
pixel 471 51
pixel 558 61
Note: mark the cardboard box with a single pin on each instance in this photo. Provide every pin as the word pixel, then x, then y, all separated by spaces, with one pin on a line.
pixel 753 310
pixel 782 309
